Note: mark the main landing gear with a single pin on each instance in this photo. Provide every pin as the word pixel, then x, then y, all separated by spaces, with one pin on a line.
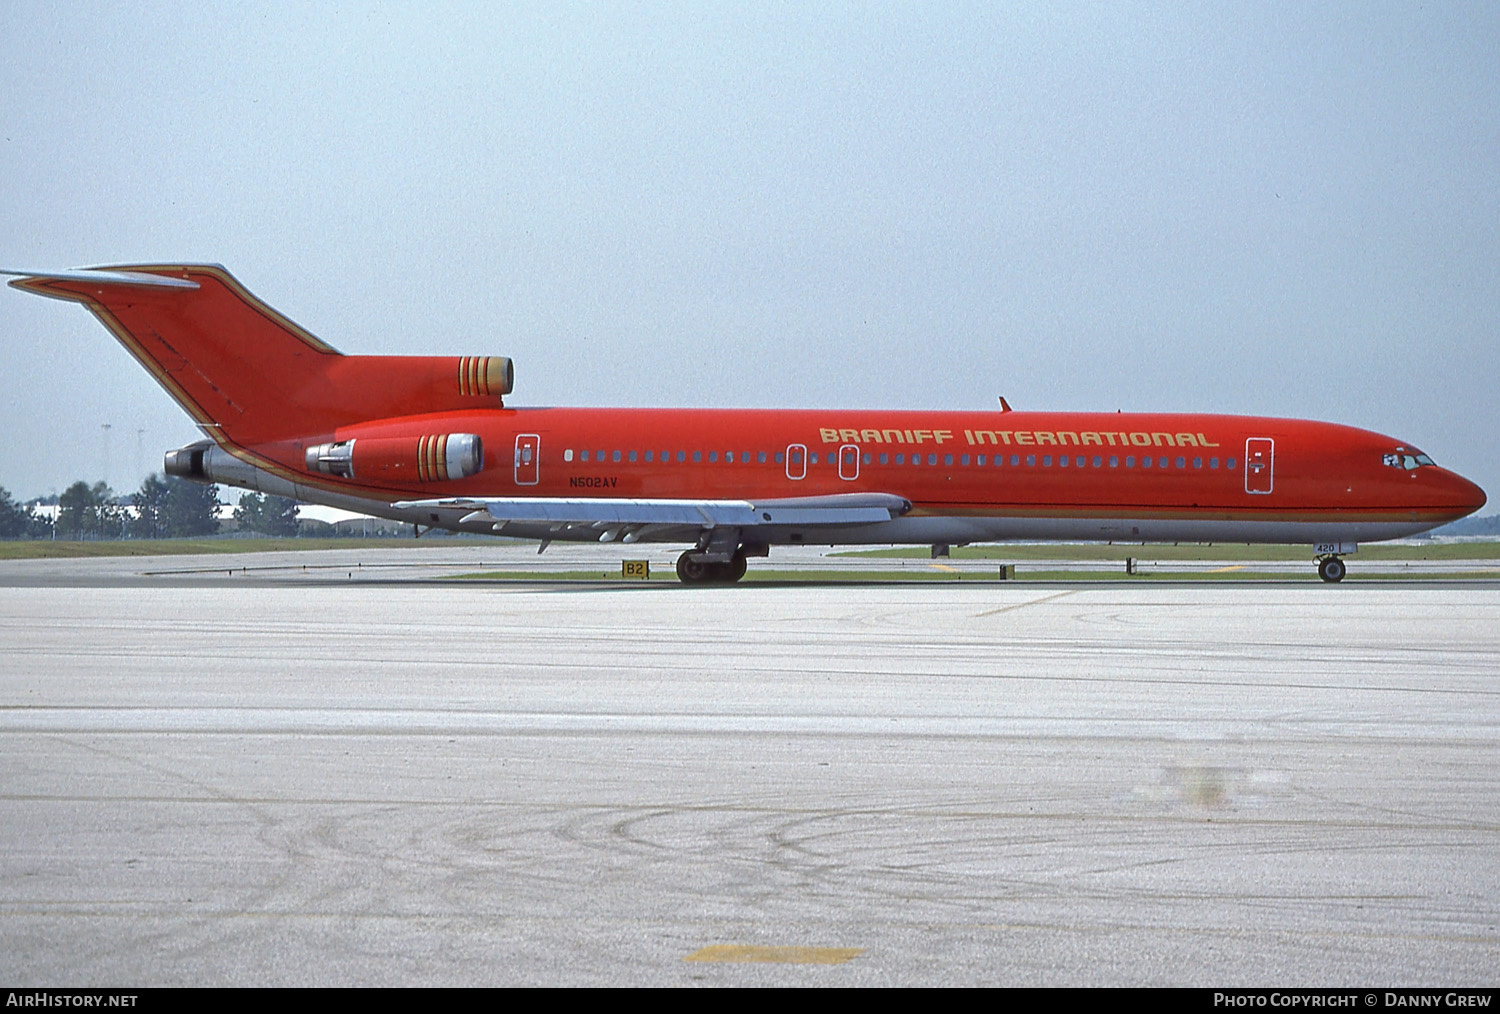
pixel 1330 569
pixel 690 571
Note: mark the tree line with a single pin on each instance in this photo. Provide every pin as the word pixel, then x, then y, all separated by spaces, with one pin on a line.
pixel 163 508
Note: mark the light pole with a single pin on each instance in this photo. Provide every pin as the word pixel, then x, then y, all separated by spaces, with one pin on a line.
pixel 106 427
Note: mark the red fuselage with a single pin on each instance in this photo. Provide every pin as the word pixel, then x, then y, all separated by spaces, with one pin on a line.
pixel 1009 474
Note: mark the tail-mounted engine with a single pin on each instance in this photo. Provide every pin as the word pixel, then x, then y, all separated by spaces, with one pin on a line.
pixel 189 462
pixel 437 457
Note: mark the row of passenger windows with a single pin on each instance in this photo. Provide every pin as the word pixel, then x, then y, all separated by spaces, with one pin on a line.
pixel 886 458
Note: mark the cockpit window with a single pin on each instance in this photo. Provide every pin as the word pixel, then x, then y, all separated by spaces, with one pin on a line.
pixel 1408 458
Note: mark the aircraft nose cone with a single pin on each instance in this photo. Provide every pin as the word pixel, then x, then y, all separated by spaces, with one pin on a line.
pixel 1466 494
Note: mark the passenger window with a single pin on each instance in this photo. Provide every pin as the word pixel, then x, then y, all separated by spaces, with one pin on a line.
pixel 865 459
pixel 780 457
pixel 900 459
pixel 1114 461
pixel 964 461
pixel 713 457
pixel 1229 463
pixel 979 461
pixel 615 456
pixel 1197 462
pixel 728 457
pixel 1162 463
pixel 1213 462
pixel 583 455
pixel 697 456
pixel 1046 461
pixel 885 459
pixel 1062 461
pixel 947 460
pixel 761 457
pixel 1031 461
pixel 568 454
pixel 1079 461
pixel 1182 462
pixel 1145 462
pixel 681 456
pixel 632 456
pixel 1015 459
pixel 812 458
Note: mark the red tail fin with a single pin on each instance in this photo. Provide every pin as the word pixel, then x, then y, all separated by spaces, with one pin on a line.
pixel 243 370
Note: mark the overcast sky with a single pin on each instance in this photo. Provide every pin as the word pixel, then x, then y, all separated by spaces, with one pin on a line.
pixel 1279 209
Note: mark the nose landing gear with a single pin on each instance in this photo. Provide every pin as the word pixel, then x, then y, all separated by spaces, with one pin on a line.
pixel 1331 569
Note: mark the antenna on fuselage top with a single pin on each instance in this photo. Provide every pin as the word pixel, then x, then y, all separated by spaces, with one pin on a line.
pixel 1004 405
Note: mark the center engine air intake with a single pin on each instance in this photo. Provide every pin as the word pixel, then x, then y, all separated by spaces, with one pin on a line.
pixel 437 457
pixel 485 375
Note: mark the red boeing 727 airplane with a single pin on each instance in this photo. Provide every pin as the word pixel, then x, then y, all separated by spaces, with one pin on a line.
pixel 428 440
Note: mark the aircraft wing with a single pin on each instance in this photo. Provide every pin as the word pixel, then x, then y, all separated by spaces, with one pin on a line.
pixel 616 513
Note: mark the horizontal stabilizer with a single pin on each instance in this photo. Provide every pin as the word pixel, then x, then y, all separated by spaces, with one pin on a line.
pixel 105 276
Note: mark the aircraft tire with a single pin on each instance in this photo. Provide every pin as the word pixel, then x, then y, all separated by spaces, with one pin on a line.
pixel 690 571
pixel 1332 569
pixel 694 571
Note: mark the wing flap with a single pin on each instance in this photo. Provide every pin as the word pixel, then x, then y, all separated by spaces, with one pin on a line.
pixel 852 509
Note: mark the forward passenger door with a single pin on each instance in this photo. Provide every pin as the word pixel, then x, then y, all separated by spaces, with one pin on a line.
pixel 1260 458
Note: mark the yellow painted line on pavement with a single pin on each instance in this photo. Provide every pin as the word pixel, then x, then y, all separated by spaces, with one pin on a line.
pixel 1023 605
pixel 750 954
pixel 1226 570
pixel 943 566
